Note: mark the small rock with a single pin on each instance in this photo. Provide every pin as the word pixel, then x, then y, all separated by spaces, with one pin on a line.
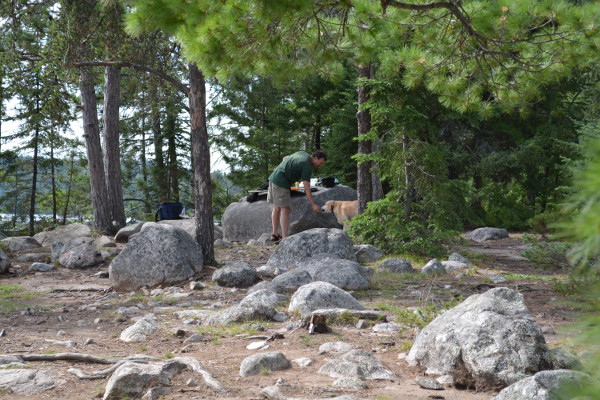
pixel 350 383
pixel 61 333
pixel 429 384
pixel 362 324
pixel 195 338
pixel 197 285
pixel 497 278
pixel 257 345
pixel 41 267
pixel 303 361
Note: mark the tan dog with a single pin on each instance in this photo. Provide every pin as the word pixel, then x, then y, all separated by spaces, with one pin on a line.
pixel 344 211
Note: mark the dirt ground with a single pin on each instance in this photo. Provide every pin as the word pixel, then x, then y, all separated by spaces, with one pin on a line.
pixel 66 305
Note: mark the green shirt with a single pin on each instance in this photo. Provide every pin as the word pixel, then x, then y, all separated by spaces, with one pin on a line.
pixel 296 167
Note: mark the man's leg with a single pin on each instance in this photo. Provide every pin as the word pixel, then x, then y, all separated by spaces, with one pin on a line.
pixel 285 221
pixel 275 219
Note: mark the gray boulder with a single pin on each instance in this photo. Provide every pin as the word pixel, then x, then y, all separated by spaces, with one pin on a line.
pixel 481 234
pixel 21 243
pixel 287 282
pixel 433 267
pixel 132 380
pixel 63 233
pixel 4 262
pixel 345 274
pixel 158 255
pixel 2 235
pixel 80 257
pixel 397 265
pixel 124 233
pixel 189 225
pixel 27 381
pixel 139 331
pixel 243 221
pixel 366 253
pixel 563 359
pixel 452 266
pixel 459 258
pixel 297 248
pixel 257 305
pixel 273 361
pixel 103 241
pixel 41 267
pixel 357 364
pixel 235 274
pixel 318 295
pixel 59 247
pixel 544 385
pixel 488 341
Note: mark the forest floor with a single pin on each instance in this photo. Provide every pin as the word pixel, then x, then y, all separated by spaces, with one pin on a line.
pixel 65 305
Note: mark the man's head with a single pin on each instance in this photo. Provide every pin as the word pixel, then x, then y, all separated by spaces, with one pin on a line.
pixel 317 159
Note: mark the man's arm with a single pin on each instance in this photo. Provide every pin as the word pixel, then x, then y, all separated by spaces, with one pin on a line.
pixel 309 197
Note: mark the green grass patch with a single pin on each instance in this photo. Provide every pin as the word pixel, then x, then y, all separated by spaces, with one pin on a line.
pixel 13 297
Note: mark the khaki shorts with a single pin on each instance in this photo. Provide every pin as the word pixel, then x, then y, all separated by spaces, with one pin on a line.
pixel 278 195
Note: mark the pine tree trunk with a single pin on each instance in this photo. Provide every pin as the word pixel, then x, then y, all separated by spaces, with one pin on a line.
pixel 112 157
pixel 363 116
pixel 375 177
pixel 71 171
pixel 172 153
pixel 145 189
pixel 159 171
pixel 53 176
pixel 34 180
pixel 201 165
pixel 91 134
pixel 408 180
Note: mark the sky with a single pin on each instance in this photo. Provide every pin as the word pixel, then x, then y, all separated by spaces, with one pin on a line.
pixel 76 130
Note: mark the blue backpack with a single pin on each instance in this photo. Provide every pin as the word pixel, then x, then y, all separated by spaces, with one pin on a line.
pixel 168 211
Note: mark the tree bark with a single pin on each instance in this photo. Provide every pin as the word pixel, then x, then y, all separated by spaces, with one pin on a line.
pixel 363 116
pixel 376 186
pixel 91 135
pixel 69 185
pixel 159 171
pixel 172 154
pixel 112 157
pixel 201 164
pixel 34 178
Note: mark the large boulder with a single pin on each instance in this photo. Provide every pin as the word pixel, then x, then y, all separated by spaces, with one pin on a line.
pixel 158 255
pixel 63 233
pixel 297 248
pixel 77 253
pixel 21 243
pixel 243 221
pixel 345 274
pixel 488 341
pixel 317 295
pixel 545 385
pixel 481 234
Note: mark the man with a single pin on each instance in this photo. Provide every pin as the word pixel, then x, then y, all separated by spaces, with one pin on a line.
pixel 296 167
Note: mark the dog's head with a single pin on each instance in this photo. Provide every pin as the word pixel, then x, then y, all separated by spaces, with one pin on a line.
pixel 328 207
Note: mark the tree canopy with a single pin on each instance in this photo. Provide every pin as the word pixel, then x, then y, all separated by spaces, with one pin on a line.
pixel 478 56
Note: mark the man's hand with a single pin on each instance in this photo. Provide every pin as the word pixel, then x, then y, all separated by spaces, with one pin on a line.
pixel 316 208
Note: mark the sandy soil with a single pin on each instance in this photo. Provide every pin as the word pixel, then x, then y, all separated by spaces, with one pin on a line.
pixel 68 301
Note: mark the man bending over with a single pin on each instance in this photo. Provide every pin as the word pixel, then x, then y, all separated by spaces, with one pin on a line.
pixel 296 167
